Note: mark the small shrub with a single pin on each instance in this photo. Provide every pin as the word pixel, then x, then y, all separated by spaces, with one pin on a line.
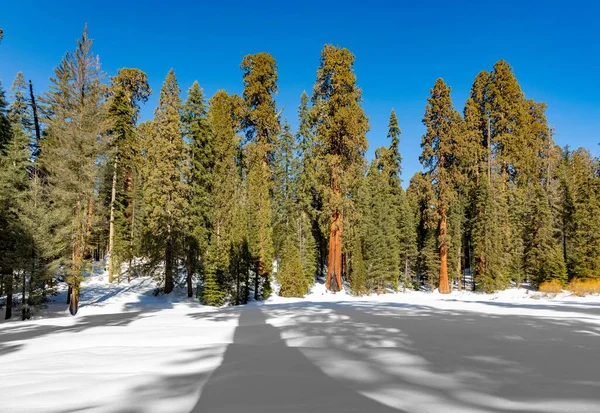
pixel 584 287
pixel 552 286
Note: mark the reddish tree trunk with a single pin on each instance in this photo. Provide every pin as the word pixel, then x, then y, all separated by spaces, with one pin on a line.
pixel 334 261
pixel 443 287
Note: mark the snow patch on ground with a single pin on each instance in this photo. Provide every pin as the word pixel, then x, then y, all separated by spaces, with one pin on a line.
pixel 128 350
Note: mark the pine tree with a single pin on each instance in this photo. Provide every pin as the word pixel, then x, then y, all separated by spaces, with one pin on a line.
pixel 421 197
pixel 226 202
pixel 285 168
pixel 340 131
pixel 165 190
pixel 443 127
pixel 543 259
pixel 201 154
pixel 406 243
pixel 581 214
pixel 309 190
pixel 5 128
pixel 75 119
pixel 261 123
pixel 290 274
pixel 381 247
pixel 121 134
pixel 15 240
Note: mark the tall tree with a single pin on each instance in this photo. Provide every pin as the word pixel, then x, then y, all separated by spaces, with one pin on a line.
pixel 340 129
pixel 165 190
pixel 201 154
pixel 309 185
pixel 262 127
pixel 75 119
pixel 225 201
pixel 129 89
pixel 443 128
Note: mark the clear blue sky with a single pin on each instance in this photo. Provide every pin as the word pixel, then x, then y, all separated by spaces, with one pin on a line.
pixel 401 49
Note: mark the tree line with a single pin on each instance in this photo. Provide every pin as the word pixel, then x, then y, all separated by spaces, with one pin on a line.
pixel 223 196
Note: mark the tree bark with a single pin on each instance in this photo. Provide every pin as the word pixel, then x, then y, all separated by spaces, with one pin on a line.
pixel 443 283
pixel 169 264
pixel 9 294
pixel 334 260
pixel 111 225
pixel 36 122
pixel 256 280
pixel 188 279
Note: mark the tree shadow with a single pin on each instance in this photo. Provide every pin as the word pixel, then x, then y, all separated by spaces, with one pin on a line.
pixel 261 374
pixel 33 330
pixel 417 357
pixel 588 308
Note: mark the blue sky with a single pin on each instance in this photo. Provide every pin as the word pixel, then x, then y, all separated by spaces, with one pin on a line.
pixel 401 48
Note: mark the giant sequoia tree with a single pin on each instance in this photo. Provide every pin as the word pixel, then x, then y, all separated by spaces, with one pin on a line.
pixel 443 129
pixel 340 127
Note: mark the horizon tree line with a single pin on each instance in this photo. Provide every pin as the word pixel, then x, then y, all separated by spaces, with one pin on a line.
pixel 223 196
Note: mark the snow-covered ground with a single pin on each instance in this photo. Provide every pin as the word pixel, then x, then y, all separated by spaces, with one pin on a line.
pixel 129 351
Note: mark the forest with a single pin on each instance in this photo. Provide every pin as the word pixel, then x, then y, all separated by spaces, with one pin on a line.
pixel 220 196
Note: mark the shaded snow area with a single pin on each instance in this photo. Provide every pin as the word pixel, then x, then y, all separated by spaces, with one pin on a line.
pixel 129 351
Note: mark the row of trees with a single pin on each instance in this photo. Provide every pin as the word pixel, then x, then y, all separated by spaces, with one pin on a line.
pixel 219 193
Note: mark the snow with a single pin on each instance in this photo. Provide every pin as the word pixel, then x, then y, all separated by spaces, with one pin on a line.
pixel 127 350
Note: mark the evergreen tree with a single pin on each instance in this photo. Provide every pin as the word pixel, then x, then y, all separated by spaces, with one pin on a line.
pixel 420 197
pixel 310 188
pixel 581 214
pixel 226 202
pixel 340 130
pixel 15 240
pixel 75 119
pixel 261 123
pixel 5 128
pixel 381 248
pixel 443 128
pixel 543 259
pixel 197 134
pixel 165 190
pixel 290 274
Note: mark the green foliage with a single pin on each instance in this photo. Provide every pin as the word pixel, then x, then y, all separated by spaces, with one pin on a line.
pixel 261 123
pixel 164 189
pixel 75 118
pixel 201 164
pixel 290 274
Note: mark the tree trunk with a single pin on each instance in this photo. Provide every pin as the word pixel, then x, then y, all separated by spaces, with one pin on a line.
pixel 405 274
pixel 111 225
pixel 334 260
pixel 188 279
pixel 76 272
pixel 169 264
pixel 444 288
pixel 36 122
pixel 256 280
pixel 74 304
pixel 9 294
